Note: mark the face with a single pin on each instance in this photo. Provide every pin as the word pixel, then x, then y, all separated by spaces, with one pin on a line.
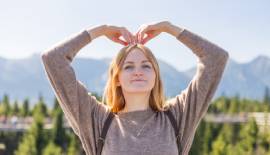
pixel 137 74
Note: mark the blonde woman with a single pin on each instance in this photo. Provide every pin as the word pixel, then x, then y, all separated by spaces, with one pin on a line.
pixel 134 116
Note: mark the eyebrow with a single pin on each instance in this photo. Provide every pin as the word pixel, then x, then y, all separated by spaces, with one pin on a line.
pixel 133 62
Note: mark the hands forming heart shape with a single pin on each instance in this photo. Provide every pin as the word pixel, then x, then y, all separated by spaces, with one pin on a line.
pixel 145 33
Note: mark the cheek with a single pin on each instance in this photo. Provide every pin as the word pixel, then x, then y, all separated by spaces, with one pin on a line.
pixel 123 77
pixel 150 74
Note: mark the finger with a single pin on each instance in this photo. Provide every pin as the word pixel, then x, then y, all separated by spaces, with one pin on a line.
pixel 142 35
pixel 132 38
pixel 129 36
pixel 126 37
pixel 144 31
pixel 146 39
pixel 149 37
pixel 118 40
pixel 137 36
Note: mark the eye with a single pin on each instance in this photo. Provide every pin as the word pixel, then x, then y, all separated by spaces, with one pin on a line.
pixel 128 67
pixel 146 66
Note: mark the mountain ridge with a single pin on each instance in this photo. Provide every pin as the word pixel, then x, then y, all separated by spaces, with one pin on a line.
pixel 26 77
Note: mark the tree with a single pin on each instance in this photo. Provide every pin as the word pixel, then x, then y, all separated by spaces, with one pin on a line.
pixel 219 146
pixel 197 145
pixel 25 108
pixel 15 110
pixel 41 107
pixel 27 146
pixel 266 98
pixel 33 141
pixel 234 105
pixel 208 138
pixel 248 137
pixel 56 107
pixel 73 146
pixel 58 129
pixel 5 106
pixel 52 149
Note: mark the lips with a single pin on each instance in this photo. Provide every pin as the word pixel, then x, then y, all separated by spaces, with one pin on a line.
pixel 137 80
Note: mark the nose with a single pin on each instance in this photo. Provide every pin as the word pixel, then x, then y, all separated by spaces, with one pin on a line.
pixel 138 72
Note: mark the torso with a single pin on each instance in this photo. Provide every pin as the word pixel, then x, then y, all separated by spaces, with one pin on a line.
pixel 140 132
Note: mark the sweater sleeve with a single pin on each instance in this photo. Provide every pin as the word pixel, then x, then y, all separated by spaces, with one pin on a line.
pixel 192 103
pixel 83 111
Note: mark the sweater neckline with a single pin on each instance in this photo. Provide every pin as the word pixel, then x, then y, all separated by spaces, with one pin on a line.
pixel 138 116
pixel 137 112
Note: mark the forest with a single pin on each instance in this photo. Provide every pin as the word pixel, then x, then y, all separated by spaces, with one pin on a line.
pixel 211 138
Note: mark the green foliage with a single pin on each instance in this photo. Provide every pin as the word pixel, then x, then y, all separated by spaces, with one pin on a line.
pixel 16 109
pixel 58 129
pixel 210 138
pixel 25 108
pixel 52 149
pixel 248 137
pixel 56 107
pixel 41 109
pixel 27 146
pixel 33 141
pixel 219 146
pixel 5 108
pixel 235 105
pixel 73 146
pixel 266 98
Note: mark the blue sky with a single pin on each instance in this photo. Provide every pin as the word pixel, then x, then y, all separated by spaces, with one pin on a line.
pixel 241 27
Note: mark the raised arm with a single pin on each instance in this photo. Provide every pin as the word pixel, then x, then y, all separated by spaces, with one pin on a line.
pixel 84 113
pixel 192 103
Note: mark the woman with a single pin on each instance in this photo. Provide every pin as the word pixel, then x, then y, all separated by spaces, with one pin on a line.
pixel 134 92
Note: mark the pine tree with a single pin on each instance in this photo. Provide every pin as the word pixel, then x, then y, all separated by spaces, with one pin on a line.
pixel 52 149
pixel 73 146
pixel 234 105
pixel 249 136
pixel 33 141
pixel 41 106
pixel 208 137
pixel 197 145
pixel 6 106
pixel 16 108
pixel 56 107
pixel 25 108
pixel 58 129
pixel 27 146
pixel 219 146
pixel 266 98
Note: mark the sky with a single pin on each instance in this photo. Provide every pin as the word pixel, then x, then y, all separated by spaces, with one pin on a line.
pixel 240 27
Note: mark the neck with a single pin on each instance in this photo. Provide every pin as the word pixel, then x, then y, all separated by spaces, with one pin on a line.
pixel 136 101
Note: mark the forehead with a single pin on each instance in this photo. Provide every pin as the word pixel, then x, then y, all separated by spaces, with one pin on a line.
pixel 136 55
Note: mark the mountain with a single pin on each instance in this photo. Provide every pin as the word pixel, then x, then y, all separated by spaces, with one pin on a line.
pixel 23 78
pixel 247 80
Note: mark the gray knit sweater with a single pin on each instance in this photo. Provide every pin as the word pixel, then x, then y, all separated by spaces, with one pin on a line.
pixel 143 132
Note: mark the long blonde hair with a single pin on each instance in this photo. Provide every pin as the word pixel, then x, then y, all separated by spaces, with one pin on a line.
pixel 113 94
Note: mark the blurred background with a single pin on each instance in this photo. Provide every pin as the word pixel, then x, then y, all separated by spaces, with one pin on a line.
pixel 237 122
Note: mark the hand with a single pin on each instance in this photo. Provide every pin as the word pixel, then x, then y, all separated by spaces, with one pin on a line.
pixel 151 30
pixel 114 33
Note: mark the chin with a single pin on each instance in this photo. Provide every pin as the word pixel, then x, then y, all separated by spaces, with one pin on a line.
pixel 138 90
